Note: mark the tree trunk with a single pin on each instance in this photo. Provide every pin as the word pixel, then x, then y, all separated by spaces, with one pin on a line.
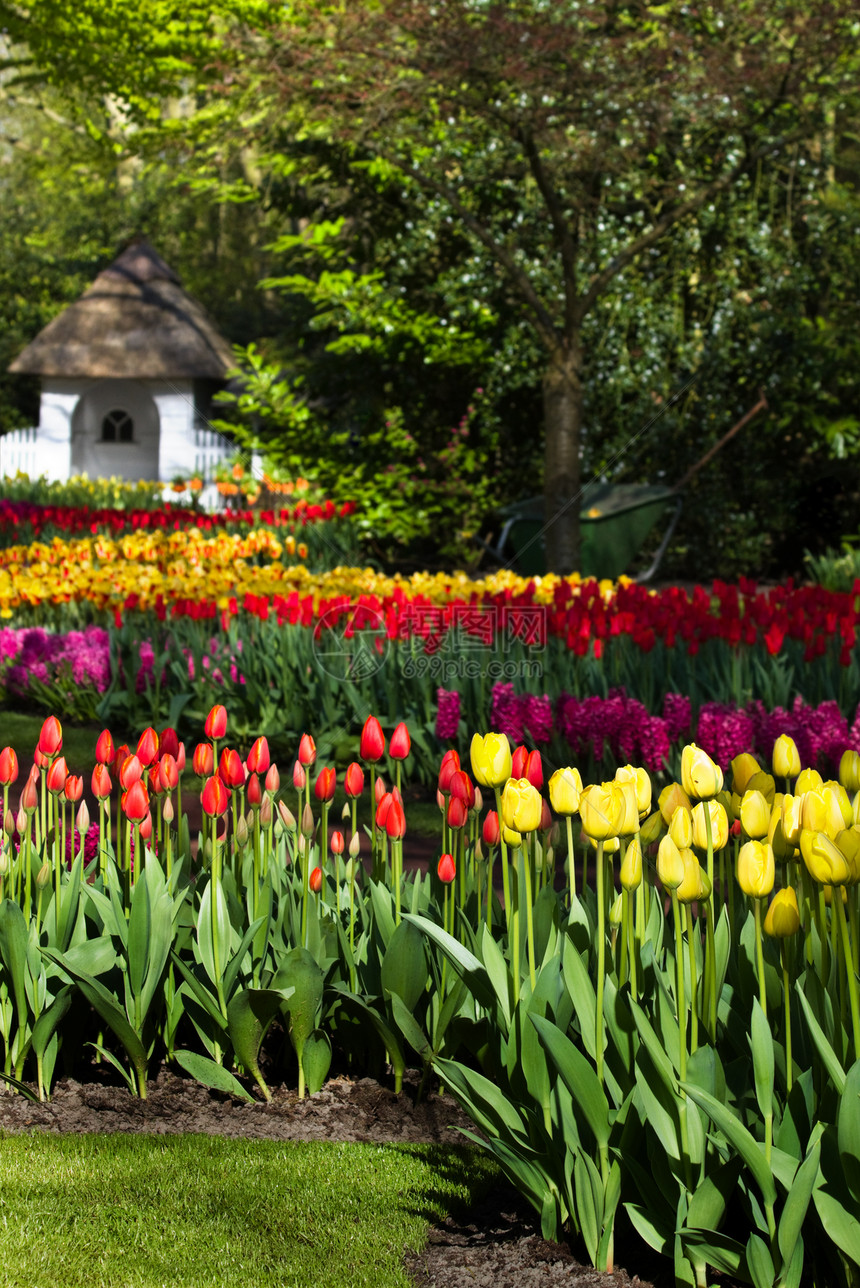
pixel 562 404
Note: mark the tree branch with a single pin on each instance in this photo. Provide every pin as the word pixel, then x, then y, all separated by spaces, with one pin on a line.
pixel 566 239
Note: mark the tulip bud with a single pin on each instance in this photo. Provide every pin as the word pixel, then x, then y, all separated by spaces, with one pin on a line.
pixel 615 912
pixel 135 801
pixel 783 915
pixel 786 757
pixel 353 783
pixel 763 783
pixel 601 809
pixel 272 781
pixel 51 737
pixel 446 869
pixel 756 870
pixel 395 823
pixel 9 823
pixel 449 765
pixel 491 759
pixel 479 801
pixel 490 831
pixel 147 747
pixel 691 888
pixel 372 742
pixel 307 750
pixel 631 866
pixel 168 743
pixel 641 785
pixel 808 780
pixel 755 815
pixel 74 788
pixel 324 787
pixel 307 821
pixel 43 876
pixel 214 798
pixel 259 760
pixel 167 811
pixel 104 748
pixel 651 829
pixel 299 776
pixel 511 838
pixel 670 865
pixel 456 813
pixel 254 791
pixel 266 813
pixel 8 767
pixel 630 816
pixel 849 770
pixel 336 843
pixel 57 775
pixel 21 821
pixel 203 760
pixel 354 845
pixel 681 828
pixel 701 777
pixel 565 789
pixel 744 767
pixel 719 825
pixel 315 881
pixel 241 833
pixel 216 722
pixel 401 744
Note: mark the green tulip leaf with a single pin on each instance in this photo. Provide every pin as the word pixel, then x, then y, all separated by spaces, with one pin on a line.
pixel 299 972
pixel 737 1135
pixel 828 1056
pixel 716 1249
pixel 214 951
pixel 589 1202
pixel 249 1014
pixel 210 1074
pixel 656 1233
pixel 316 1060
pixel 581 991
pixel 761 1043
pixel 759 1262
pixel 106 1005
pixel 404 966
pixel 578 1076
pixel 14 942
pixel 408 1026
pixel 46 1025
pixel 797 1201
pixel 841 1226
pixel 848 1130
pixel 497 970
pixel 486 1102
pixel 471 970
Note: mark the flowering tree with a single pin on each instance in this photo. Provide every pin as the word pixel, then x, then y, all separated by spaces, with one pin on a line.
pixel 567 141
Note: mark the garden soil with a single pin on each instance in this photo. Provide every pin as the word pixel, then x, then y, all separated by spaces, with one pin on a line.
pixel 496 1244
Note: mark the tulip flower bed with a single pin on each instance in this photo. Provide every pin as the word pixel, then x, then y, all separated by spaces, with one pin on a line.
pixel 658 1018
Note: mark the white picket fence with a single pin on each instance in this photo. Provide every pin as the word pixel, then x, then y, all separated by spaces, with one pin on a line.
pixel 21 451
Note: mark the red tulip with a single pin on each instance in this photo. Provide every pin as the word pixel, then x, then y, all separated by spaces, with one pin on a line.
pixel 258 757
pixel 315 881
pixel 395 822
pixel 456 814
pixel 58 772
pixel 534 770
pixel 29 797
pixel 168 772
pixel 145 828
pixel 336 842
pixel 446 869
pixel 40 761
pixel 101 783
pixel 273 779
pixel 325 785
pixel 120 755
pixel 104 748
pixel 214 798
pixel 8 767
pixel 383 805
pixel 203 760
pixel 130 770
pixel 379 789
pixel 168 743
pixel 135 802
pixel 307 750
pixel 74 787
pixel 216 722
pixel 147 747
pixel 449 766
pixel 253 791
pixel 401 744
pixel 51 737
pixel 490 831
pixel 353 783
pixel 230 768
pixel 372 745
pixel 462 787
pixel 179 754
pixel 299 776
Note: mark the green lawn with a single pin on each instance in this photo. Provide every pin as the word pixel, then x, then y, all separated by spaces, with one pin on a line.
pixel 146 1211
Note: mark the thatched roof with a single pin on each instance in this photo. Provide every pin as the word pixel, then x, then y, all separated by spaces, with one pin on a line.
pixel 134 321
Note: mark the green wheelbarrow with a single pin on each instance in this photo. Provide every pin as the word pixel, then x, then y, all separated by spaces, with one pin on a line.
pixel 615 521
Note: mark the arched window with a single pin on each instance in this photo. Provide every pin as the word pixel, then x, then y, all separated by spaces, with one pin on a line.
pixel 117 427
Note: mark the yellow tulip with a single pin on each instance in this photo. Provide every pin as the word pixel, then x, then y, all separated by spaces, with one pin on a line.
pixel 630 822
pixel 786 757
pixel 783 915
pixel 510 837
pixel 756 870
pixel 631 866
pixel 565 789
pixel 755 814
pixel 719 825
pixel 808 780
pixel 848 842
pixel 491 759
pixel 521 805
pixel 763 783
pixel 601 809
pixel 700 776
pixel 642 783
pixel 849 770
pixel 670 865
pixel 839 804
pixel 691 887
pixel 651 828
pixel 824 860
pixel 669 800
pixel 792 818
pixel 743 768
pixel 779 843
pixel 681 828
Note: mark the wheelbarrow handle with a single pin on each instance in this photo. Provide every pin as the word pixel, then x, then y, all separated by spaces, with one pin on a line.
pixel 761 405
